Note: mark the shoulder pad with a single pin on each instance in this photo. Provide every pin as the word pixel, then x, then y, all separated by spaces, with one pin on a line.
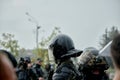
pixel 66 70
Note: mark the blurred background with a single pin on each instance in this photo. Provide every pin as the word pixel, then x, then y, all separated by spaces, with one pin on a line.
pixel 27 26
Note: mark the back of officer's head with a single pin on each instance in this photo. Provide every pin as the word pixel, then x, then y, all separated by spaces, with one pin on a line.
pixel 39 61
pixel 7 71
pixel 115 50
pixel 10 57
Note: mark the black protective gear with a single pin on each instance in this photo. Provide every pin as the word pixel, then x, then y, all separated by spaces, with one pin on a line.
pixel 27 59
pixel 88 55
pixel 26 74
pixel 62 47
pixel 90 59
pixel 38 70
pixel 23 62
pixel 93 66
pixel 66 71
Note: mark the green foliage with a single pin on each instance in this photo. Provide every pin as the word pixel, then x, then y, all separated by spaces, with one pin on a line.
pixel 46 41
pixel 40 53
pixel 108 36
pixel 8 42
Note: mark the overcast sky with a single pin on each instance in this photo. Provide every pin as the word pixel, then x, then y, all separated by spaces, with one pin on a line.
pixel 83 20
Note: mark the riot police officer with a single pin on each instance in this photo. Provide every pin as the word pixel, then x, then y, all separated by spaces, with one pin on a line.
pixel 24 72
pixel 93 66
pixel 37 68
pixel 62 48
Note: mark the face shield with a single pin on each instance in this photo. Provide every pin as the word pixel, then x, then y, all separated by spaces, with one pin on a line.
pixel 50 55
pixel 85 57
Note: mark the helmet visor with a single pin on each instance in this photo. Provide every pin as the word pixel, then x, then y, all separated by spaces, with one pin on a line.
pixel 85 57
pixel 50 55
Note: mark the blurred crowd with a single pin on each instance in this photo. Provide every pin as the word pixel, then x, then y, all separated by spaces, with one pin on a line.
pixel 90 65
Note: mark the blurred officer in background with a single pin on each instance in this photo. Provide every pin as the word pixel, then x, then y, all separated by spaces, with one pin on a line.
pixel 49 70
pixel 38 69
pixel 24 72
pixel 62 48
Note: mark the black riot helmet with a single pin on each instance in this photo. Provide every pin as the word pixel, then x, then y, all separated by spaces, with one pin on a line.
pixel 27 59
pixel 90 59
pixel 62 47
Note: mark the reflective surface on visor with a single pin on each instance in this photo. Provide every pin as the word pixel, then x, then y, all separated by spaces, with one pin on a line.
pixel 50 55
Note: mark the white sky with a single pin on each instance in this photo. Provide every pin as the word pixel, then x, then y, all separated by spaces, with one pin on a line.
pixel 83 20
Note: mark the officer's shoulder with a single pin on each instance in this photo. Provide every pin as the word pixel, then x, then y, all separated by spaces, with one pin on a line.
pixel 66 70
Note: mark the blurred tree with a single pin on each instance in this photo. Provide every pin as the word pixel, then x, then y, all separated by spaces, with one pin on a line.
pixel 42 52
pixel 8 42
pixel 46 41
pixel 108 36
pixel 23 52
